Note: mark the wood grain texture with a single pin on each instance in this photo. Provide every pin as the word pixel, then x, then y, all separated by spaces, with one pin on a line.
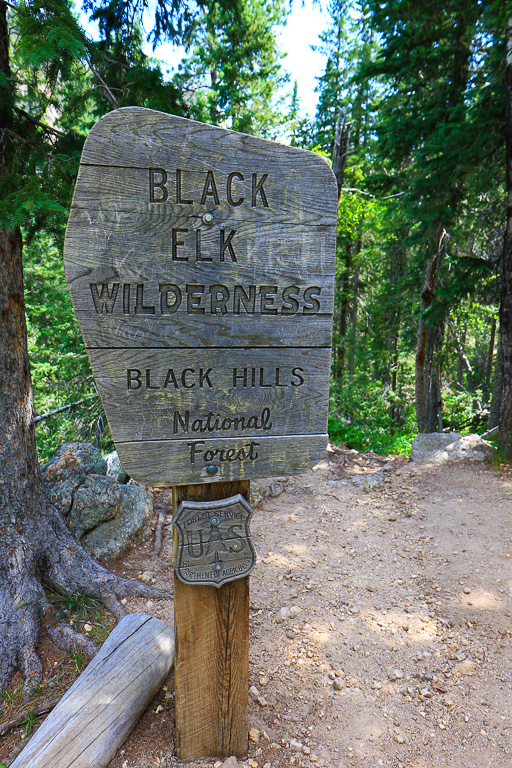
pixel 143 138
pixel 125 190
pixel 162 462
pixel 186 391
pixel 107 332
pixel 212 653
pixel 185 236
pixel 96 715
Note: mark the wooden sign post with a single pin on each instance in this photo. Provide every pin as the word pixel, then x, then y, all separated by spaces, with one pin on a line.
pixel 201 264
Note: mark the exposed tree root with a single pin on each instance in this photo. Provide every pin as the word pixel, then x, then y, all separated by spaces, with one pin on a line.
pixel 39 549
pixel 114 606
pixel 67 638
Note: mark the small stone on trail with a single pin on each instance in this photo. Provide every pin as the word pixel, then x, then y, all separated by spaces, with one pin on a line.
pixel 262 701
pixel 396 674
pixel 87 628
pixel 254 735
pixel 296 745
pixel 339 684
pixel 147 576
pixel 230 762
pixel 252 763
pixel 254 691
pixel 464 667
pixel 467 591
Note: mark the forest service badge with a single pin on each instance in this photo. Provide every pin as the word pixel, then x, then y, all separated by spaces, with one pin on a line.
pixel 214 541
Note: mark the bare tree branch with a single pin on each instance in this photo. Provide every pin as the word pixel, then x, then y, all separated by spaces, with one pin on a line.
pixel 108 93
pixel 35 121
pixel 369 194
pixel 41 710
pixel 63 408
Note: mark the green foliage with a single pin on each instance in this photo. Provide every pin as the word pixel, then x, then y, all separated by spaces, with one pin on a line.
pixel 60 368
pixel 422 93
pixel 233 72
pixel 10 696
pixel 77 607
pixel 28 722
pixel 78 658
pixel 424 156
pixel 458 409
pixel 362 417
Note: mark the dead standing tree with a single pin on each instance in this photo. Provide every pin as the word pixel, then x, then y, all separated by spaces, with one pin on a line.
pixel 340 149
pixel 423 383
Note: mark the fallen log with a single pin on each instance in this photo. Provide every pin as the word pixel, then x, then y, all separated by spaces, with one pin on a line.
pixel 96 715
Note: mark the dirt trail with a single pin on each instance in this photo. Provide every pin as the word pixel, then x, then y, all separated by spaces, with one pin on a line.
pixel 380 620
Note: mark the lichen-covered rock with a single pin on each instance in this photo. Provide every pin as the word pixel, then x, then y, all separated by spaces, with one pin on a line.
pixel 115 468
pixel 67 469
pixel 60 494
pixel 105 516
pixel 96 501
pixel 442 447
pixel 131 524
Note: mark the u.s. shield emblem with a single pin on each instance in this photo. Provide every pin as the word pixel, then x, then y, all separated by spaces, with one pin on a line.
pixel 214 541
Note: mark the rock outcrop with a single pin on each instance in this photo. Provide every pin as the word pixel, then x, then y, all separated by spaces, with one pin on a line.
pixel 104 513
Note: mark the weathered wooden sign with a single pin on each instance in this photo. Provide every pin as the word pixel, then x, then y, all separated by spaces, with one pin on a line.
pixel 200 262
pixel 214 541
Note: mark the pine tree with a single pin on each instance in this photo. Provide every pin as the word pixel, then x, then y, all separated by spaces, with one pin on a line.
pixel 233 72
pixel 54 82
pixel 299 128
pixel 439 137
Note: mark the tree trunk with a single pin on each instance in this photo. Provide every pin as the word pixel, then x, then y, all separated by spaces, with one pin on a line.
pixel 427 298
pixel 355 307
pixel 505 422
pixel 397 267
pixel 340 149
pixel 35 543
pixel 494 416
pixel 433 377
pixel 490 358
pixel 343 312
pixel 339 164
